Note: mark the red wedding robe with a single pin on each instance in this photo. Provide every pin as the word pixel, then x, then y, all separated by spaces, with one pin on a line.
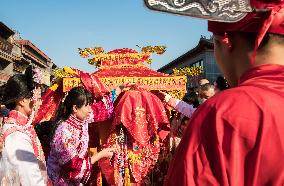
pixel 237 136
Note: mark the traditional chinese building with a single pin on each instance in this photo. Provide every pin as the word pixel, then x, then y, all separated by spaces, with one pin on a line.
pixel 33 55
pixel 8 52
pixel 201 55
pixel 17 54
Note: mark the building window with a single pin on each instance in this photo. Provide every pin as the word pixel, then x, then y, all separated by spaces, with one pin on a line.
pixel 197 64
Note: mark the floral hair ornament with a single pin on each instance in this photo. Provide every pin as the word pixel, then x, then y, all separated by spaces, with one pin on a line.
pixel 63 99
pixel 37 76
pixel 38 80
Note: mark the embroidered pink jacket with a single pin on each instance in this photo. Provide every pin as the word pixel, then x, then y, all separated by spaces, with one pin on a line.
pixel 182 107
pixel 22 151
pixel 69 162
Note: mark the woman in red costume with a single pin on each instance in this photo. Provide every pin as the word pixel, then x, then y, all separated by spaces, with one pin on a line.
pixel 23 160
pixel 235 137
pixel 69 162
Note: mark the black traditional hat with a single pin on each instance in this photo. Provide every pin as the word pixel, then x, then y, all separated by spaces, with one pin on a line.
pixel 259 16
pixel 214 10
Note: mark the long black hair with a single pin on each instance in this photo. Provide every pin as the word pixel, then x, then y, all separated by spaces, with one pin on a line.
pixel 78 96
pixel 18 86
pixel 222 83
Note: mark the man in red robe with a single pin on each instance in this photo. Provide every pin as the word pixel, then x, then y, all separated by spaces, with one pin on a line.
pixel 236 137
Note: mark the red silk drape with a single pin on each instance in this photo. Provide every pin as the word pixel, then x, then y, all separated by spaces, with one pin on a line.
pixel 143 116
pixel 53 97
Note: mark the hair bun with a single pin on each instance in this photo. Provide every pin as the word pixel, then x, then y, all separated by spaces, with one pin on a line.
pixel 29 73
pixel 15 88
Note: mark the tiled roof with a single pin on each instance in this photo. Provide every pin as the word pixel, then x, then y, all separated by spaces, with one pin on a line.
pixel 30 44
pixel 203 44
pixel 5 31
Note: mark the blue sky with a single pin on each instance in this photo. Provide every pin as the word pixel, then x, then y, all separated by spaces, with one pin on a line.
pixel 59 27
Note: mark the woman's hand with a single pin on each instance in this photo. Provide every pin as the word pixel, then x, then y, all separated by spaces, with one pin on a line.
pixel 105 153
pixel 124 87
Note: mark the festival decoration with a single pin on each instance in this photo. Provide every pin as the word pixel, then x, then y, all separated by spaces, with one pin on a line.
pixel 139 126
pixel 174 85
pixel 126 65
pixel 69 83
pixel 67 78
pixel 194 74
pixel 122 66
pixel 155 49
pixel 119 56
pixel 61 73
pixel 138 151
pixel 188 71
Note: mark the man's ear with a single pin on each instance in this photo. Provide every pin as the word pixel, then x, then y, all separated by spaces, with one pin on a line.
pixel 225 40
pixel 228 41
